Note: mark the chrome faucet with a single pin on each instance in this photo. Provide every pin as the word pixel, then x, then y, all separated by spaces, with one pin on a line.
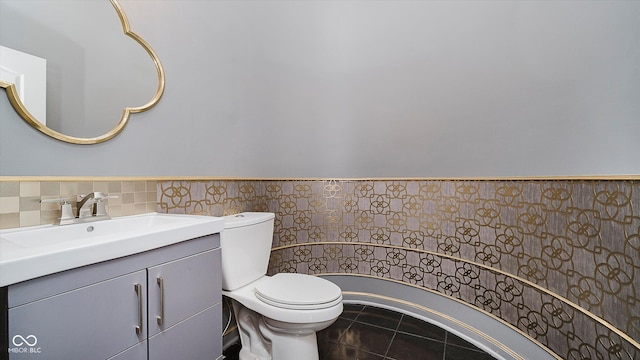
pixel 92 206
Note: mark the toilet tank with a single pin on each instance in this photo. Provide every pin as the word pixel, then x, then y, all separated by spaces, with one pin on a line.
pixel 246 247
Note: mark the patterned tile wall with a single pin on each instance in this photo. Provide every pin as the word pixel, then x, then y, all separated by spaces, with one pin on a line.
pixel 20 206
pixel 557 259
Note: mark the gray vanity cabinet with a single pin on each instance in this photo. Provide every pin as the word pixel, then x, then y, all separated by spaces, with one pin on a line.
pixel 76 323
pixel 185 307
pixel 111 310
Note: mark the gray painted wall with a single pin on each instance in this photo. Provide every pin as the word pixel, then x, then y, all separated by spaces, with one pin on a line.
pixel 370 89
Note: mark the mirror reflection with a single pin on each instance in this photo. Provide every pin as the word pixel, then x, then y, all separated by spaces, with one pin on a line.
pixel 98 71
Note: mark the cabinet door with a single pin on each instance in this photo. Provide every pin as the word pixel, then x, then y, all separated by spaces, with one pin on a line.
pixel 139 351
pixel 197 338
pixel 182 288
pixel 93 322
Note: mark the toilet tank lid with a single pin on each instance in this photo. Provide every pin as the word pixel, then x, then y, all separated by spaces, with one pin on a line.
pixel 246 219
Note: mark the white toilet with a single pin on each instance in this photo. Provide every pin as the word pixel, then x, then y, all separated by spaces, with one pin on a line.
pixel 277 316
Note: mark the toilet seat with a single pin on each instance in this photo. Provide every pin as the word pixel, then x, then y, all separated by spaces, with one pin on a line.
pixel 298 292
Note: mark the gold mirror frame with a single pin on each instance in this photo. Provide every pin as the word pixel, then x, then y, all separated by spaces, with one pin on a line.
pixel 14 99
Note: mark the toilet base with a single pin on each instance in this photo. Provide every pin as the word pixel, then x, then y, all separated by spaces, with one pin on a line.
pixel 262 341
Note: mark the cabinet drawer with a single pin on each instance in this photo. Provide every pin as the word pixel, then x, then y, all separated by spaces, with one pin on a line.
pixel 92 322
pixel 181 288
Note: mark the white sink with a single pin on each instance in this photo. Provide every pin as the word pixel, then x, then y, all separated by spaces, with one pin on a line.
pixel 27 253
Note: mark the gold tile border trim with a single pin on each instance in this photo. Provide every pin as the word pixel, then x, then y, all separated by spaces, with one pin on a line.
pixel 453 320
pixel 7 178
pixel 580 309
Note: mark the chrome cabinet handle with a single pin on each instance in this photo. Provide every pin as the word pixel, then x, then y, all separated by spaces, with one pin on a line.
pixel 138 289
pixel 160 318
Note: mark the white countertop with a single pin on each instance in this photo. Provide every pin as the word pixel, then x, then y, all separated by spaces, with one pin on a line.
pixel 30 252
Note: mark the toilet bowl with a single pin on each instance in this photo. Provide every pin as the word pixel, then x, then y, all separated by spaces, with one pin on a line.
pixel 277 316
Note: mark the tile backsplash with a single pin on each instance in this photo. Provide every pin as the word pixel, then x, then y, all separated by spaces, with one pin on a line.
pixel 20 200
pixel 556 259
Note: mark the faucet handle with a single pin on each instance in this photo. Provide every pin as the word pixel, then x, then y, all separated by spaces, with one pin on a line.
pixel 96 196
pixel 60 200
pixel 101 197
pixel 66 211
pixel 92 195
pixel 100 209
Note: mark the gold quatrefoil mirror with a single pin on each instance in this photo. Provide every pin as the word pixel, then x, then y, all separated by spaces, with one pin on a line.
pixel 75 70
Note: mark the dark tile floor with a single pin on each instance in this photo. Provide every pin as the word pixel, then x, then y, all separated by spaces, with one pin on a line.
pixel 371 333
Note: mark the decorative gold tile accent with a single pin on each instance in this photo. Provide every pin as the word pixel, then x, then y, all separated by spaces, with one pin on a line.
pixel 557 259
